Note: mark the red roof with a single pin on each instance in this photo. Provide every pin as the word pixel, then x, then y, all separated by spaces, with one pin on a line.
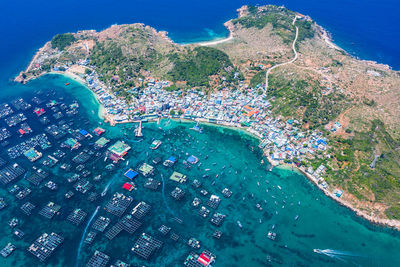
pixel 127 186
pixel 204 259
pixel 21 131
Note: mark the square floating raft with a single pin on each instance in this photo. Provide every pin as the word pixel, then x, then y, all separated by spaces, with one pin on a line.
pixel 192 159
pixel 99 259
pixel 146 169
pixel 131 174
pixel 72 143
pixel 119 148
pixel 102 142
pixel 169 162
pixel 32 154
pixel 98 131
pixel 146 245
pixel 45 245
pixel 178 177
pixel 128 186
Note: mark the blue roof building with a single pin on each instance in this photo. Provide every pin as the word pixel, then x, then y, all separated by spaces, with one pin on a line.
pixel 131 174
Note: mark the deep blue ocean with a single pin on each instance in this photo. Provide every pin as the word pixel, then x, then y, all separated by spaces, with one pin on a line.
pixel 367 29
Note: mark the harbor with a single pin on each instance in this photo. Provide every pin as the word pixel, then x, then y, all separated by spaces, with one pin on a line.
pixel 200 198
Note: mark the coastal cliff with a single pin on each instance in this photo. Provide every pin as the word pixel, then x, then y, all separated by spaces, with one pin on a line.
pixel 354 103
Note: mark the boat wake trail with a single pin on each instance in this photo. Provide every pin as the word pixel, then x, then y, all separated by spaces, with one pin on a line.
pixel 337 254
pixel 106 188
pixel 83 235
pixel 165 201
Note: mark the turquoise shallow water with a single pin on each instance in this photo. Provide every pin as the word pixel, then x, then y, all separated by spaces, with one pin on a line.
pixel 234 157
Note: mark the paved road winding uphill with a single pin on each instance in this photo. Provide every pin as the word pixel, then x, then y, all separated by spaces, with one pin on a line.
pixel 284 63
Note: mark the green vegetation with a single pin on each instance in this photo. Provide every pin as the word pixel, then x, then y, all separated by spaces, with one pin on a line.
pixel 351 166
pixel 276 17
pixel 303 99
pixel 61 41
pixel 305 30
pixel 257 79
pixel 197 65
pixel 281 20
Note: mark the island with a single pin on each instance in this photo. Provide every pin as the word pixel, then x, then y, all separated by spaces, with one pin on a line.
pixel 278 75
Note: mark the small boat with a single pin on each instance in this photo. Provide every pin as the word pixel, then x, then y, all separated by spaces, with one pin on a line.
pixel 197 128
pixel 296 217
pixel 317 250
pixel 66 84
pixel 155 144
pixel 239 224
pixel 271 235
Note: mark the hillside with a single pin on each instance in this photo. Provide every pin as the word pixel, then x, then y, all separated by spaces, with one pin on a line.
pixel 353 102
pixel 324 86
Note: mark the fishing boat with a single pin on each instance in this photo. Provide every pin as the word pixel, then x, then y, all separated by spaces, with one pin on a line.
pixel 155 144
pixel 271 235
pixel 197 128
pixel 104 192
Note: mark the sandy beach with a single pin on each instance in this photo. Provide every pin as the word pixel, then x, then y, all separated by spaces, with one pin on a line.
pixel 101 112
pixel 220 41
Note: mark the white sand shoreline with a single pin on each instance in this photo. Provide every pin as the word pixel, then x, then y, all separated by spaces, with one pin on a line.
pixel 101 112
pixel 217 41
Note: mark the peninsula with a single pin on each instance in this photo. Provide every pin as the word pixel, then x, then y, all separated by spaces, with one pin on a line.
pixel 278 75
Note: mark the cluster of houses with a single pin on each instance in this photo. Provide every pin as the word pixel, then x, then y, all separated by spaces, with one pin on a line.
pixel 282 141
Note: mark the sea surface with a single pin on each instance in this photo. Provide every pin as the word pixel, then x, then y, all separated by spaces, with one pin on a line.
pixel 262 200
pixel 366 29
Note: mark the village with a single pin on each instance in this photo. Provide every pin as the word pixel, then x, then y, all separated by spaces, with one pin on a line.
pixel 282 141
